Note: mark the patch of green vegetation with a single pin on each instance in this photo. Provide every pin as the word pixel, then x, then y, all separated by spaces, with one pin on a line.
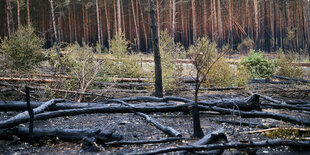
pixel 285 66
pixel 121 62
pixel 172 72
pixel 287 132
pixel 258 65
pixel 23 50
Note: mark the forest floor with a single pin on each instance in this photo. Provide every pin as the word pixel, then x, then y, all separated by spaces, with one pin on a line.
pixel 132 127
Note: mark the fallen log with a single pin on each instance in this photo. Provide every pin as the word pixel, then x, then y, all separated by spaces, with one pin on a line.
pixel 166 129
pixel 64 134
pixel 137 86
pixel 282 104
pixel 250 124
pixel 254 114
pixel 120 143
pixel 19 105
pixel 236 145
pixel 156 99
pixel 285 106
pixel 247 104
pixel 263 81
pixel 72 92
pixel 273 129
pixel 27 80
pixel 177 108
pixel 25 115
pixel 212 138
pixel 290 79
pixel 91 110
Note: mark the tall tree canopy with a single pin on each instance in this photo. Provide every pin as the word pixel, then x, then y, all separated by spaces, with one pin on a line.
pixel 270 24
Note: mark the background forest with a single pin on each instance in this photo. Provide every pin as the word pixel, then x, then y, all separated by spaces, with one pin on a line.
pixel 261 24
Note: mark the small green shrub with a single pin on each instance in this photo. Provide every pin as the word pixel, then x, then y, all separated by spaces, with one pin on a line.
pixel 246 45
pixel 285 66
pixel 222 74
pixel 171 71
pixel 23 50
pixel 257 65
pixel 124 64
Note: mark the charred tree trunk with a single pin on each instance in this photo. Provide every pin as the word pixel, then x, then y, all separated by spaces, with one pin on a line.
pixel 157 58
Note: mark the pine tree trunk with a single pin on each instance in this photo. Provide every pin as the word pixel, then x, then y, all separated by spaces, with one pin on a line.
pixel 205 18
pixel 143 24
pixel 194 20
pixel 256 21
pixel 135 23
pixel 173 20
pixel 53 20
pixel 157 17
pixel 74 22
pixel 28 13
pixel 18 14
pixel 70 22
pixel 98 23
pixel 157 58
pixel 107 20
pixel 9 16
pixel 119 17
pixel 230 23
pixel 219 20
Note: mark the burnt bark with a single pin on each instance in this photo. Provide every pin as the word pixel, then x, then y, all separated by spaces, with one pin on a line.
pixel 247 104
pixel 100 136
pixel 271 143
pixel 157 58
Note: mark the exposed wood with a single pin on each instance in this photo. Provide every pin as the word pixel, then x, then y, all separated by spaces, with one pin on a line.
pixel 27 80
pixel 236 145
pixel 273 129
pixel 101 137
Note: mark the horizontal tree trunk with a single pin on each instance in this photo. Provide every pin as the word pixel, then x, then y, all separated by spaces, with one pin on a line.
pixel 247 104
pixel 291 79
pixel 64 134
pixel 169 139
pixel 137 86
pixel 250 124
pixel 212 138
pixel 25 116
pixel 27 80
pixel 236 145
pixel 168 130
